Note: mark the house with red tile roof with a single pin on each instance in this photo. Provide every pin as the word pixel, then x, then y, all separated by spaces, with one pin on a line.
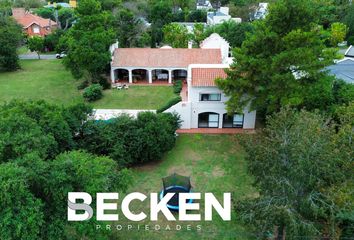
pixel 32 24
pixel 203 103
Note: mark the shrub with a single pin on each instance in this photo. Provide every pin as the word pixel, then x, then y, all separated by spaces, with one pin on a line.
pixel 129 141
pixel 169 104
pixel 93 92
pixel 177 87
pixel 350 40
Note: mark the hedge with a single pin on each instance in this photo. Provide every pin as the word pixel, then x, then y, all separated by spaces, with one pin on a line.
pixel 169 104
pixel 177 87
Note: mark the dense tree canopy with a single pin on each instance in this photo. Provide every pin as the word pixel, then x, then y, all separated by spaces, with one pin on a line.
pixel 297 163
pixel 10 37
pixel 88 41
pixel 234 33
pixel 280 62
pixel 176 35
pixel 38 167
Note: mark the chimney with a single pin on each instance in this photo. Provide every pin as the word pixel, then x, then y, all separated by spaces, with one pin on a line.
pixel 190 44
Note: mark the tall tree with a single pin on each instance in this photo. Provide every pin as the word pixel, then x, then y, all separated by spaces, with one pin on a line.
pixel 234 33
pixel 88 41
pixel 129 28
pixel 10 37
pixel 280 61
pixel 298 163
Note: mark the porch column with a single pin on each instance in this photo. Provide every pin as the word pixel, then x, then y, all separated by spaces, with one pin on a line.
pixel 169 76
pixel 113 77
pixel 130 74
pixel 150 76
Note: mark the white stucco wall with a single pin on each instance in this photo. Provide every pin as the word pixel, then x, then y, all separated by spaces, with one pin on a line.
pixel 216 41
pixel 219 107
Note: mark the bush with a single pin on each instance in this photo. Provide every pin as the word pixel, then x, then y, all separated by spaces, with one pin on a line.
pixel 350 40
pixel 129 141
pixel 93 92
pixel 169 104
pixel 177 87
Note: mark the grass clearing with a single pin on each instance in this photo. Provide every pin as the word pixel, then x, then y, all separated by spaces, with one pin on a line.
pixel 49 80
pixel 215 163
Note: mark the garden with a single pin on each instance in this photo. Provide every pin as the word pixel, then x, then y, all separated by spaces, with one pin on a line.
pixel 50 81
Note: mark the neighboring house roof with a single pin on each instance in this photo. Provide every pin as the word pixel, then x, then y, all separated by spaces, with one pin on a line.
pixel 61 4
pixel 27 19
pixel 205 77
pixel 350 52
pixel 344 70
pixel 218 14
pixel 160 58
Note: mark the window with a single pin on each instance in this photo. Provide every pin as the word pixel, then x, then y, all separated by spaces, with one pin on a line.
pixel 208 120
pixel 35 29
pixel 210 97
pixel 233 121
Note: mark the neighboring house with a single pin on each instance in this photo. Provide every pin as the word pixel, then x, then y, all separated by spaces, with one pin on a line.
pixel 261 11
pixel 203 103
pixel 220 16
pixel 350 52
pixel 344 70
pixel 32 24
pixel 204 5
pixel 59 4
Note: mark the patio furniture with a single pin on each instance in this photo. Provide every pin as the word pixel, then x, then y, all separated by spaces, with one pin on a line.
pixel 162 76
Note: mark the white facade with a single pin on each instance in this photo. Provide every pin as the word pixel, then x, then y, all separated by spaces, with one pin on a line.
pixel 216 41
pixel 191 109
pixel 204 5
pixel 220 16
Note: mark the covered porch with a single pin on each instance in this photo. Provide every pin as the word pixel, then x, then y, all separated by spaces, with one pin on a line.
pixel 147 76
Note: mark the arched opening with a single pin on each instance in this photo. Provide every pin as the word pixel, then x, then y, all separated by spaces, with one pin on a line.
pixel 121 75
pixel 233 121
pixel 140 75
pixel 179 74
pixel 159 75
pixel 208 120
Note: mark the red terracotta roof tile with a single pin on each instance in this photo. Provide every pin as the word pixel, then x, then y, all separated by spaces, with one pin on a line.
pixel 27 19
pixel 160 58
pixel 205 77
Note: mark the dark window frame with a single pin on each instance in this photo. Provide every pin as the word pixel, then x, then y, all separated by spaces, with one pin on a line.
pixel 218 122
pixel 233 125
pixel 201 97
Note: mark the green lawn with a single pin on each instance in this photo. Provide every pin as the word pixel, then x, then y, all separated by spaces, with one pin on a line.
pixel 136 97
pixel 215 163
pixel 48 80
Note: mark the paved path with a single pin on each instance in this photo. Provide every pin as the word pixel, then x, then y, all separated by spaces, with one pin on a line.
pixel 105 114
pixel 35 56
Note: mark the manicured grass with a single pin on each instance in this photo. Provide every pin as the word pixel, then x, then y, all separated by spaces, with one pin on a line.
pixel 215 164
pixel 40 79
pixel 136 97
pixel 49 80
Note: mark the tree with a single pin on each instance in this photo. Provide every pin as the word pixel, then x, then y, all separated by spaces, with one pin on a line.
pixel 349 20
pixel 88 41
pixel 296 163
pixel 18 203
pixel 234 33
pixel 159 14
pixel 176 35
pixel 338 33
pixel 10 37
pixel 279 62
pixel 36 44
pixel 129 28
